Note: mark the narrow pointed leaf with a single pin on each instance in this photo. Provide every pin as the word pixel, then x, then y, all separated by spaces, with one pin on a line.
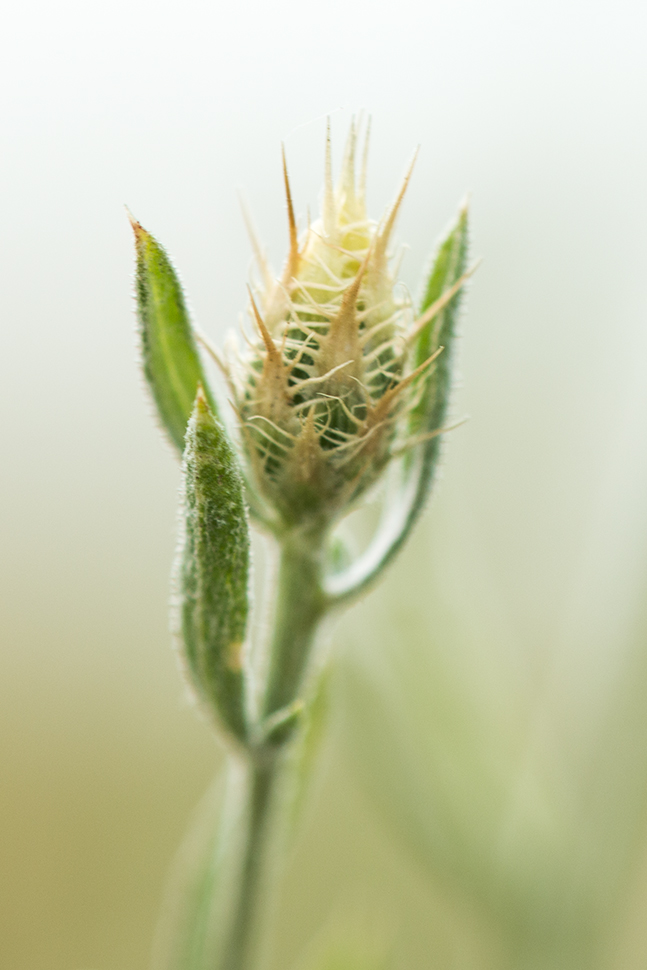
pixel 213 568
pixel 169 352
pixel 448 266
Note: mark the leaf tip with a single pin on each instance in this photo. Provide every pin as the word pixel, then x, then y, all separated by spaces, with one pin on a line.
pixel 138 229
pixel 464 207
pixel 201 404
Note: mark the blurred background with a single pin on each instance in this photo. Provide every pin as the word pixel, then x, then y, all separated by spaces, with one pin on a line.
pixel 481 789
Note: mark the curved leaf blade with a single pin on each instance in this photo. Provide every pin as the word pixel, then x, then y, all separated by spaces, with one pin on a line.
pixel 169 352
pixel 448 265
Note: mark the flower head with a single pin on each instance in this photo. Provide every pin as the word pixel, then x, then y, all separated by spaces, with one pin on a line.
pixel 324 387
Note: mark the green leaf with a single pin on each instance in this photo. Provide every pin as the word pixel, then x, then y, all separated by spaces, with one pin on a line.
pixel 492 817
pixel 199 899
pixel 304 754
pixel 213 568
pixel 447 267
pixel 169 352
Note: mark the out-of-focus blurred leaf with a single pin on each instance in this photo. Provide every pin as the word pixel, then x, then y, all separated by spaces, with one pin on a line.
pixel 343 959
pixel 307 746
pixel 453 789
pixel 538 820
pixel 346 946
pixel 169 352
pixel 197 910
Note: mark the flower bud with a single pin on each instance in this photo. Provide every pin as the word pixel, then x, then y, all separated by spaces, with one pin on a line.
pixel 327 385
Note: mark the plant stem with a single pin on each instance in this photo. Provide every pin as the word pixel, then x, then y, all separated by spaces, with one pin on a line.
pixel 238 953
pixel 300 605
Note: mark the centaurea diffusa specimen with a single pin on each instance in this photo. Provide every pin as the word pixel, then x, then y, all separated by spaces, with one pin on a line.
pixel 339 380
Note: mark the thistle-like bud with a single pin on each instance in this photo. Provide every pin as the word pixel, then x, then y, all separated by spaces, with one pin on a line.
pixel 327 387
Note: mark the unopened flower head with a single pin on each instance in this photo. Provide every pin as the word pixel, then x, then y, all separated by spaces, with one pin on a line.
pixel 324 387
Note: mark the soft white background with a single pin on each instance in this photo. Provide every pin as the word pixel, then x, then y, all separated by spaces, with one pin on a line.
pixel 537 109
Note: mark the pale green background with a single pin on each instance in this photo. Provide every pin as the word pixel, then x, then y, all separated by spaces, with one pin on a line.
pixel 535 547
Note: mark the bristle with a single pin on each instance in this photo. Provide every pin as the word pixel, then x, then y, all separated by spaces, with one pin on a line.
pixel 329 195
pixel 212 351
pixel 384 404
pixel 257 249
pixel 270 346
pixel 298 387
pixel 362 181
pixel 346 187
pixel 438 305
pixel 293 258
pixel 345 322
pixel 385 234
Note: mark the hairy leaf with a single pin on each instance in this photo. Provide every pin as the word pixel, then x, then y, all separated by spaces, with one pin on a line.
pixel 169 352
pixel 447 268
pixel 213 568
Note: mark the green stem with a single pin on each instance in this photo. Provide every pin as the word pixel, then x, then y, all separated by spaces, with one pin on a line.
pixel 238 953
pixel 300 605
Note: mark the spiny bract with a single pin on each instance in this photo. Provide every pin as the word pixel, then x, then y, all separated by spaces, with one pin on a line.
pixel 323 389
